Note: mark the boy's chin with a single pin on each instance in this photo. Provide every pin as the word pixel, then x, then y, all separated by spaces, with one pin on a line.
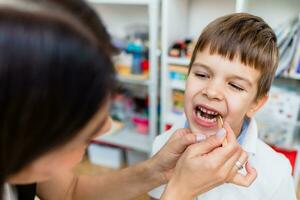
pixel 204 131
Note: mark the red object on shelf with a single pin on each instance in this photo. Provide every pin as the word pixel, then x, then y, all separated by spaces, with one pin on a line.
pixel 291 154
pixel 168 126
pixel 145 66
pixel 141 125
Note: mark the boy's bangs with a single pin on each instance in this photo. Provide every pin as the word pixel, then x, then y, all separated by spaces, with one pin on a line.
pixel 247 51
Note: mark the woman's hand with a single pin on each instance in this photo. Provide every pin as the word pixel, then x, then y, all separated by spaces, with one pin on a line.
pixel 163 162
pixel 207 164
pixel 235 177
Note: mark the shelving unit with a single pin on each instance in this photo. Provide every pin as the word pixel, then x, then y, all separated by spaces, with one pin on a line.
pixel 186 19
pixel 139 80
pixel 120 2
pixel 116 15
pixel 128 138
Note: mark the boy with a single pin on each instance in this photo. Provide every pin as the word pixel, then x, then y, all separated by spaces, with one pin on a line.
pixel 230 74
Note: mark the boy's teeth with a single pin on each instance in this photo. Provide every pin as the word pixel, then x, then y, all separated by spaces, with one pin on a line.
pixel 208 111
pixel 204 118
pixel 199 114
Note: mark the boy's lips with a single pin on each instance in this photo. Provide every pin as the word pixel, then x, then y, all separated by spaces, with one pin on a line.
pixel 206 116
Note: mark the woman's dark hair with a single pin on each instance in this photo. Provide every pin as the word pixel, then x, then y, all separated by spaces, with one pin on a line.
pixel 54 77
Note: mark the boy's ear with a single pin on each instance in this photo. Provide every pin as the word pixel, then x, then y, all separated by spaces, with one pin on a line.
pixel 257 104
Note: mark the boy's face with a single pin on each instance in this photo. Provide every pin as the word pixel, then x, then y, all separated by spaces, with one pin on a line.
pixel 218 86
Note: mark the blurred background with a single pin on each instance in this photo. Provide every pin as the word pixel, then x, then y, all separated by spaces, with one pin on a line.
pixel 156 39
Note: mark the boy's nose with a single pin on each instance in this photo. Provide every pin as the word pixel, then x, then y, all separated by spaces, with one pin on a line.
pixel 213 92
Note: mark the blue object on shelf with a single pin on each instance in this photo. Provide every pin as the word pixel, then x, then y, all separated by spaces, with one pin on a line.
pixel 136 49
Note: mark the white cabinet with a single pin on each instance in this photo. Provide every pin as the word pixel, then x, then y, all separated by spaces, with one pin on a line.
pixel 117 15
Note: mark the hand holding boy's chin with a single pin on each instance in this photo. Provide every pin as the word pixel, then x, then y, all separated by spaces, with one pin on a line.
pixel 164 161
pixel 207 132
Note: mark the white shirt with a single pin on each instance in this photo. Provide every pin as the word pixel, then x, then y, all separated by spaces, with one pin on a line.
pixel 274 180
pixel 9 193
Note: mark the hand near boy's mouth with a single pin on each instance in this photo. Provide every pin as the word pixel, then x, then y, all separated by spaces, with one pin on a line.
pixel 207 163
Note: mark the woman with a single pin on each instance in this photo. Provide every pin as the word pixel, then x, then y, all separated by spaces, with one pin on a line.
pixel 56 79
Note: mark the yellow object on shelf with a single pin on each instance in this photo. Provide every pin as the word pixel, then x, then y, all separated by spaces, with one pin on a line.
pixel 123 69
pixel 179 69
pixel 136 77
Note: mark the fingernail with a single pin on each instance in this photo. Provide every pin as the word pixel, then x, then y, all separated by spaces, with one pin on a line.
pixel 221 132
pixel 200 137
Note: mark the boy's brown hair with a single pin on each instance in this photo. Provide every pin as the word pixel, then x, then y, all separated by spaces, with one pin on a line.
pixel 243 36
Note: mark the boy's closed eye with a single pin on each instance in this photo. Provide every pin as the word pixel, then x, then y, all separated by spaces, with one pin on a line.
pixel 236 87
pixel 201 75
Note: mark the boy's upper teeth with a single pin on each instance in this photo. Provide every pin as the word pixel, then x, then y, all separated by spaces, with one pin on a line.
pixel 208 111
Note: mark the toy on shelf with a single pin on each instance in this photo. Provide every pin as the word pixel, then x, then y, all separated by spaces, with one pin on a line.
pixel 141 124
pixel 133 59
pixel 182 48
pixel 178 72
pixel 178 101
pixel 131 111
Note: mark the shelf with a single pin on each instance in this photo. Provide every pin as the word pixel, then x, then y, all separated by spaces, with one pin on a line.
pixel 177 85
pixel 294 76
pixel 134 79
pixel 179 61
pixel 127 138
pixel 126 2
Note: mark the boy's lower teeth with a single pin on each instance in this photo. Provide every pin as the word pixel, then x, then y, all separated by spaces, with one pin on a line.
pixel 205 118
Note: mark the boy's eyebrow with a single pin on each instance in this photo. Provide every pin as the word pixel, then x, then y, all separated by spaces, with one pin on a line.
pixel 233 76
pixel 203 65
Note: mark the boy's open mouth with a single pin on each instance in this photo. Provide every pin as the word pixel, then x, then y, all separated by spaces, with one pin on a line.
pixel 205 116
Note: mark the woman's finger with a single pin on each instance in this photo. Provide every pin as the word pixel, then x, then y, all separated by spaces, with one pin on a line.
pixel 245 180
pixel 230 137
pixel 235 169
pixel 207 145
pixel 225 153
pixel 181 139
pixel 179 133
